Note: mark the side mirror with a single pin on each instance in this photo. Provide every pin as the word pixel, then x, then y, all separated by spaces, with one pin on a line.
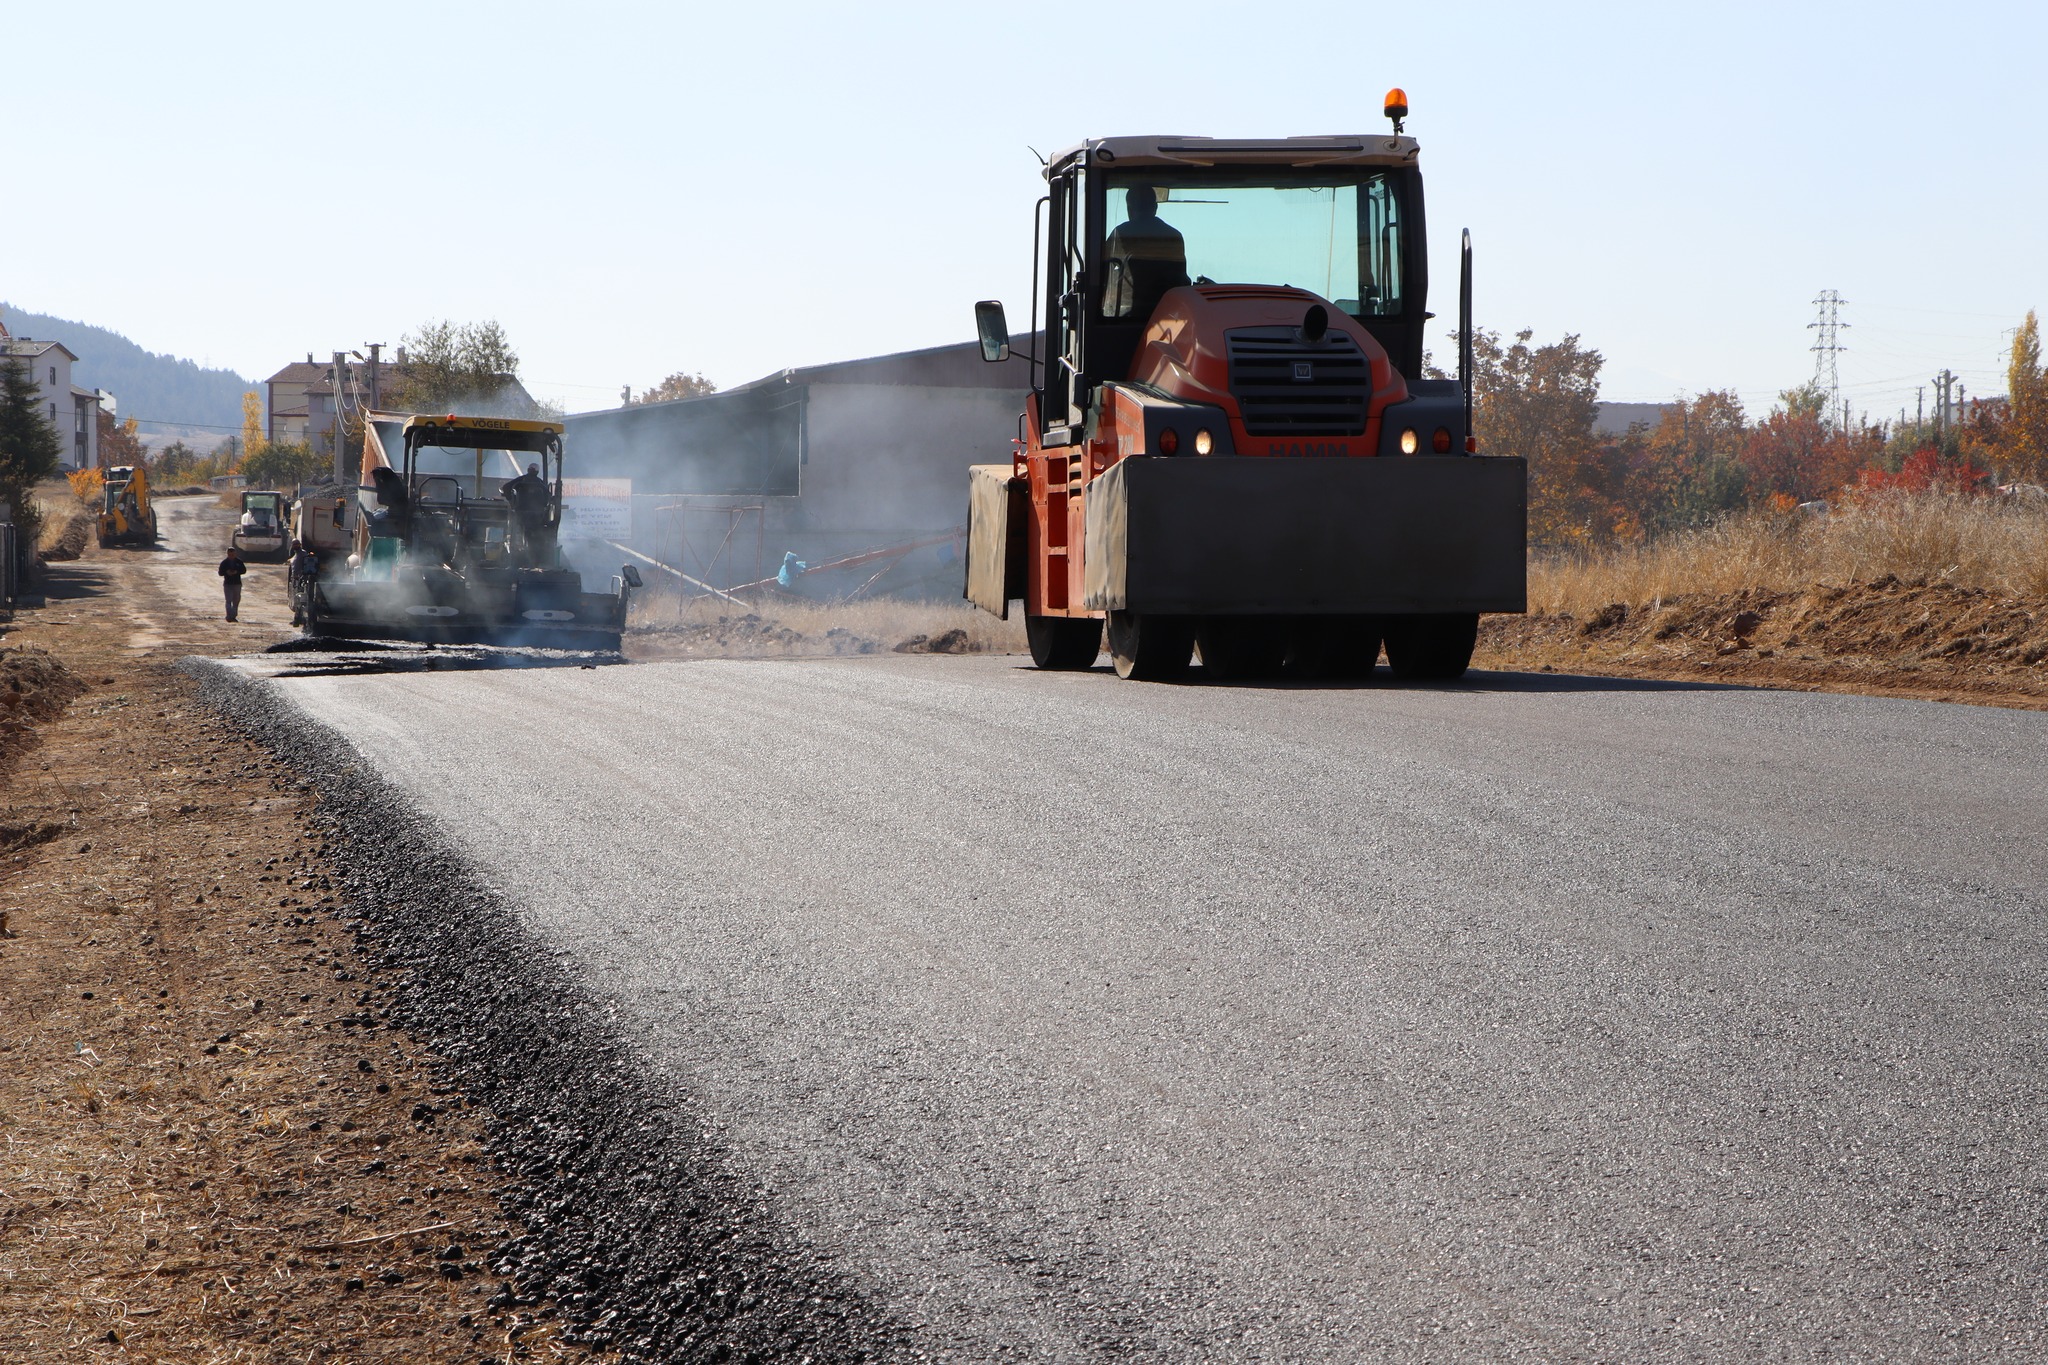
pixel 993 329
pixel 630 575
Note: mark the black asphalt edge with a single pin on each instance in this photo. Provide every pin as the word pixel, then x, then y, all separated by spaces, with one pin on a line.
pixel 646 1232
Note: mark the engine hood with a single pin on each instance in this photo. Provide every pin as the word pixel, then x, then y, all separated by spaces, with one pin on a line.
pixel 1243 348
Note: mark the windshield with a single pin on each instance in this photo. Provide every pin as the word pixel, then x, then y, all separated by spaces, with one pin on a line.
pixel 477 473
pixel 1336 233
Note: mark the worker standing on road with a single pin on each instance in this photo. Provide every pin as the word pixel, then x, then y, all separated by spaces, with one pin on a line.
pixel 231 570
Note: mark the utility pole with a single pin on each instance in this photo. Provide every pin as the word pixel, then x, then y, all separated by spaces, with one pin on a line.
pixel 334 427
pixel 376 349
pixel 1920 412
pixel 1942 384
pixel 626 396
pixel 1827 347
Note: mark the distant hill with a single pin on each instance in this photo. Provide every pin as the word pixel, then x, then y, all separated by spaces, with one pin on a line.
pixel 160 388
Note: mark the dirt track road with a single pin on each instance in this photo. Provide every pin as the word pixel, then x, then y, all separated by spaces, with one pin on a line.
pixel 170 595
pixel 1535 1019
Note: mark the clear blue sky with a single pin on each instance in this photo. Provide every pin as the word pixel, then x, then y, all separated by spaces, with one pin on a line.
pixel 635 189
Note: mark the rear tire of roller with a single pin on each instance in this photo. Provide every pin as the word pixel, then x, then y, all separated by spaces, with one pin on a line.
pixel 1431 648
pixel 1063 642
pixel 1150 648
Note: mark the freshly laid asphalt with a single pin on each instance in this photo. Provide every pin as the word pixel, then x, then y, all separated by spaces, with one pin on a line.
pixel 1529 1019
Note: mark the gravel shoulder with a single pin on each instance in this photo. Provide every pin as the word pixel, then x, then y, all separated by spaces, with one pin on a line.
pixel 217 1145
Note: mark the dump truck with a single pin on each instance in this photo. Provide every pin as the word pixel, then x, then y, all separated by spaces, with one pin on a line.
pixel 454 537
pixel 264 528
pixel 126 517
pixel 319 520
pixel 1230 444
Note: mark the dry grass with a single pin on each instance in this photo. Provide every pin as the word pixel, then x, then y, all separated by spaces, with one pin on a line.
pixel 1966 542
pixel 67 520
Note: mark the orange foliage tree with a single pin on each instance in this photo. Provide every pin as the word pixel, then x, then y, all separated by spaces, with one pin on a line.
pixel 120 442
pixel 1539 402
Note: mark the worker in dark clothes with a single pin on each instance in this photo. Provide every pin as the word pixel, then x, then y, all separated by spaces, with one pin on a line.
pixel 299 578
pixel 231 570
pixel 1147 257
pixel 394 499
pixel 527 496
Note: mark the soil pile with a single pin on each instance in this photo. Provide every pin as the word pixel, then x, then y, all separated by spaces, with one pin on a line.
pixel 34 686
pixel 1884 636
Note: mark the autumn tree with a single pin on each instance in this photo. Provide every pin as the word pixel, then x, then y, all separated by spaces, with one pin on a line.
pixel 1691 467
pixel 1539 402
pixel 173 462
pixel 681 384
pixel 450 366
pixel 2026 444
pixel 253 436
pixel 281 465
pixel 120 442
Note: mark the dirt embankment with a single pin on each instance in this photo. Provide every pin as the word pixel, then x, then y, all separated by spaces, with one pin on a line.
pixel 1883 637
pixel 217 1147
pixel 795 628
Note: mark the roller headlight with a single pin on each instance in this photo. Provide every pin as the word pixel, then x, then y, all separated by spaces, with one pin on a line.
pixel 1169 441
pixel 1409 443
pixel 1204 442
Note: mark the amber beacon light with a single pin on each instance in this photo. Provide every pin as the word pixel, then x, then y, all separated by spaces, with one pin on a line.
pixel 1397 106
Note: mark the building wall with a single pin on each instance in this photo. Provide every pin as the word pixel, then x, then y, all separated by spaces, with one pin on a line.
pixel 51 372
pixel 882 464
pixel 286 395
pixel 888 461
pixel 82 442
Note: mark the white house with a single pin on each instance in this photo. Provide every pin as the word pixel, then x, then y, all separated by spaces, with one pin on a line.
pixel 71 410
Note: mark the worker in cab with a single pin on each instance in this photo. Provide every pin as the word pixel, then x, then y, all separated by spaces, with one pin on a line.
pixel 527 496
pixel 231 570
pixel 1147 256
pixel 394 499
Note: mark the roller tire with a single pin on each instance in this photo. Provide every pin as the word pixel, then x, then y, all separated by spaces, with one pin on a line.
pixel 1431 648
pixel 1063 642
pixel 1242 648
pixel 1150 648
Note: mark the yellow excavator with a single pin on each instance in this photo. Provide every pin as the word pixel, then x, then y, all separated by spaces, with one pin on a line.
pixel 126 518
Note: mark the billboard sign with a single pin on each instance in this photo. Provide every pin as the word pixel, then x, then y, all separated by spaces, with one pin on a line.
pixel 597 509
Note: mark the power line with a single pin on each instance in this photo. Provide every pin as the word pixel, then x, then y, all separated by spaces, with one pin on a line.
pixel 1827 348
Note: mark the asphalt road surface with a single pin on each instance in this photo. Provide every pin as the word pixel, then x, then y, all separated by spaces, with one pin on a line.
pixel 1534 1019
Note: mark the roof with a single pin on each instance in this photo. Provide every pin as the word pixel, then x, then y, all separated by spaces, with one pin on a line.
pixel 301 371
pixel 486 424
pixel 1157 149
pixel 29 346
pixel 957 366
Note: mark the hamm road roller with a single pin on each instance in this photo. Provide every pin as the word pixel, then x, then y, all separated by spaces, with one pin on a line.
pixel 1230 445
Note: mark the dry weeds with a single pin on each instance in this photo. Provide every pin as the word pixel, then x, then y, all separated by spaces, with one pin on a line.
pixel 67 522
pixel 1966 542
pixel 1922 595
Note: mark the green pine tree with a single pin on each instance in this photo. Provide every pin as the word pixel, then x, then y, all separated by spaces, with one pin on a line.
pixel 30 450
